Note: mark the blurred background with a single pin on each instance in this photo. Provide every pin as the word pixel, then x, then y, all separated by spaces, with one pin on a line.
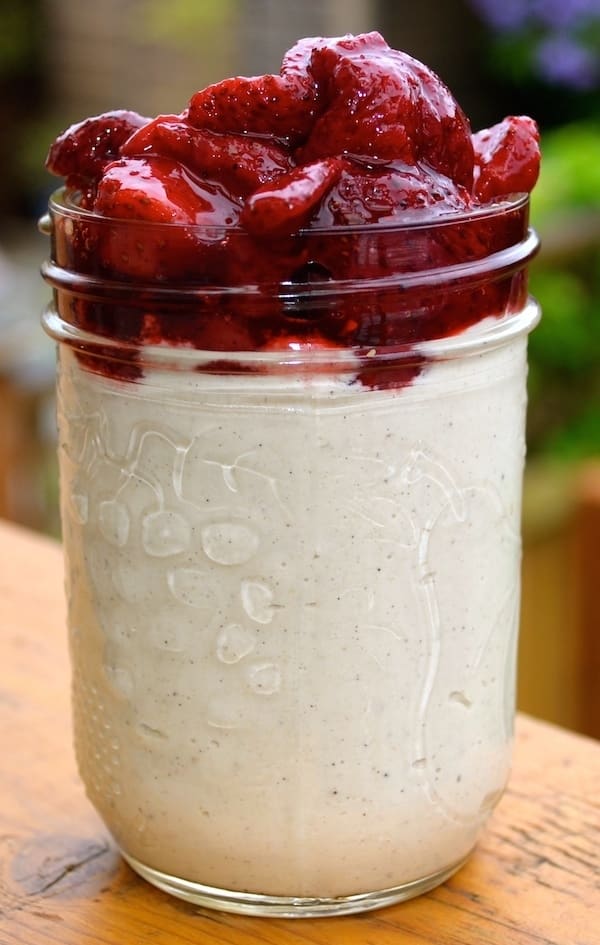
pixel 62 60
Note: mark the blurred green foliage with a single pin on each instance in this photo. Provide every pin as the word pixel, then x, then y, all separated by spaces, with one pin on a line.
pixel 21 41
pixel 564 385
pixel 15 37
pixel 181 22
pixel 570 175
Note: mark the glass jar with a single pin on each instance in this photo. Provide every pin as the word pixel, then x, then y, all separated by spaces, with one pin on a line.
pixel 293 563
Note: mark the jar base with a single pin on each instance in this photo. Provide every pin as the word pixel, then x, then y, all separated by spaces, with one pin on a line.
pixel 289 907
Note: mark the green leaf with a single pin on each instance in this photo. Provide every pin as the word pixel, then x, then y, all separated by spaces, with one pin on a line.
pixel 568 337
pixel 570 173
pixel 580 439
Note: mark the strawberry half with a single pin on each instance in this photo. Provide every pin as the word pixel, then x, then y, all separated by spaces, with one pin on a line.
pixel 83 151
pixel 161 191
pixel 507 158
pixel 382 103
pixel 239 162
pixel 395 191
pixel 281 107
pixel 287 204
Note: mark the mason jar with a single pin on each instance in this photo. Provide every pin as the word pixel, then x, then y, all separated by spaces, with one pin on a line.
pixel 291 512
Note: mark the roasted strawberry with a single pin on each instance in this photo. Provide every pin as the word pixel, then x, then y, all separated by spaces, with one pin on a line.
pixel 296 61
pixel 507 158
pixel 395 191
pixel 287 204
pixel 161 191
pixel 281 107
pixel 81 153
pixel 238 162
pixel 382 103
pixel 164 191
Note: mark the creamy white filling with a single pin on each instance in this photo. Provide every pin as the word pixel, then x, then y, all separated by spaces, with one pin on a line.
pixel 293 610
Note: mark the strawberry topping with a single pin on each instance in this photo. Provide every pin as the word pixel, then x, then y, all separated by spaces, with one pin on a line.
pixel 246 186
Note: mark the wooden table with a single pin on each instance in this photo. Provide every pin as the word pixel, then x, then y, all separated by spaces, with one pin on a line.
pixel 534 879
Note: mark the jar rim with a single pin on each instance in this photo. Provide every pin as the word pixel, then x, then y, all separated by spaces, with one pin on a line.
pixel 60 203
pixel 385 287
pixel 483 336
pixel 496 264
pixel 471 273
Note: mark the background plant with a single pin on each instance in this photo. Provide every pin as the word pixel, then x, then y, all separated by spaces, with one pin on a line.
pixel 545 56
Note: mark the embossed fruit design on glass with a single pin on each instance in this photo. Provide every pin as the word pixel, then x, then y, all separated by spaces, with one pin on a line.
pixel 291 397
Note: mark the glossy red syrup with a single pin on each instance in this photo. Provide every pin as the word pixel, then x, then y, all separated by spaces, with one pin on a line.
pixel 247 185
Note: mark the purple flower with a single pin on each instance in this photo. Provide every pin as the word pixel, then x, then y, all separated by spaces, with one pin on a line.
pixel 559 14
pixel 562 60
pixel 556 31
pixel 503 15
pixel 509 16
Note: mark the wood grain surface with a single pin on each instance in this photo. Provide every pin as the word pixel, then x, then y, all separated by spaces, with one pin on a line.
pixel 533 880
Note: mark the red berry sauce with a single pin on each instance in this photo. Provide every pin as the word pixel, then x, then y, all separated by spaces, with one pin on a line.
pixel 353 166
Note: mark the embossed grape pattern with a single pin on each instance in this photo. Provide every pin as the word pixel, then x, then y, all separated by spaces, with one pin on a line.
pixel 294 612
